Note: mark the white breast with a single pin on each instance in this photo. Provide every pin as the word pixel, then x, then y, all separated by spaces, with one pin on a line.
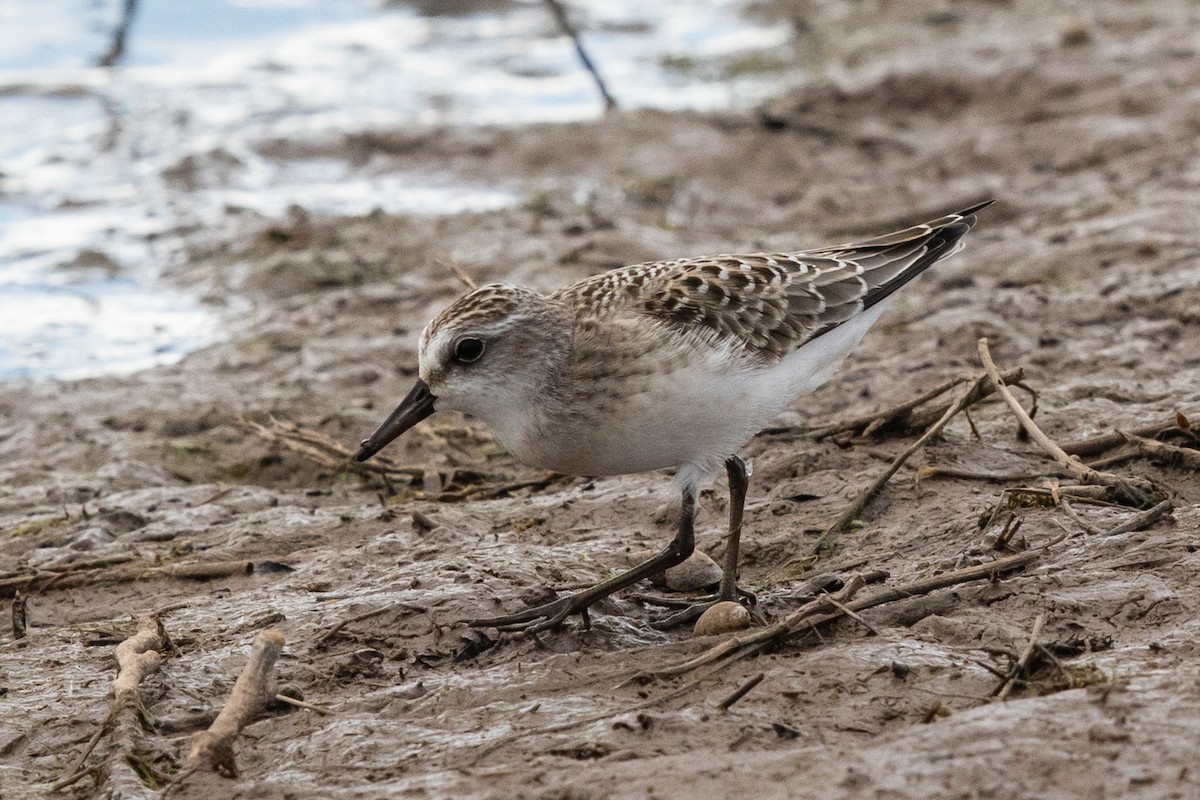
pixel 696 416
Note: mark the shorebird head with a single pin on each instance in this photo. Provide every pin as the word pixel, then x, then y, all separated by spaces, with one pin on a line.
pixel 493 353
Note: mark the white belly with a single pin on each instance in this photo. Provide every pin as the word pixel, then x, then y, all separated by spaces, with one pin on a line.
pixel 696 416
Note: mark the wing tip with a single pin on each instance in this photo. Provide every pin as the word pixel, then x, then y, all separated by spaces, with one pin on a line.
pixel 968 214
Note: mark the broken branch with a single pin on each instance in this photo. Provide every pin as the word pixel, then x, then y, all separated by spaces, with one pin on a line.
pixel 901 416
pixel 1096 445
pixel 1023 661
pixel 1143 519
pixel 255 688
pixel 974 393
pixel 820 611
pixel 1163 453
pixel 137 657
pixel 1136 493
pixel 564 23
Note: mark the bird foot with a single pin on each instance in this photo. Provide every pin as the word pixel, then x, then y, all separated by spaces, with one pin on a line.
pixel 540 618
pixel 688 612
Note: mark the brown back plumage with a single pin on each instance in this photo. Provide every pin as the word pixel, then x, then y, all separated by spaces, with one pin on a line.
pixel 772 303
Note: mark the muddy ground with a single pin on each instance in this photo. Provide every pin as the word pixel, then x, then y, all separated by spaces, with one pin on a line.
pixel 1086 273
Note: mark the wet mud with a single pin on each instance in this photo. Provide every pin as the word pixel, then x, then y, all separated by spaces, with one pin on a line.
pixel 1085 273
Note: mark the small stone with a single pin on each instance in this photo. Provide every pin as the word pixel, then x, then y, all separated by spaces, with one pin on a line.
pixel 91 538
pixel 1076 34
pixel 721 618
pixel 697 572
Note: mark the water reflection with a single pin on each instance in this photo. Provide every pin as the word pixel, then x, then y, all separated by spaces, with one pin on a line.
pixel 121 163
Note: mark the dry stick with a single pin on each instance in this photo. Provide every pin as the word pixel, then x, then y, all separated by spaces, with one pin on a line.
pixel 564 23
pixel 255 688
pixel 998 477
pixel 1014 377
pixel 1127 490
pixel 216 496
pixel 317 447
pixel 736 646
pixel 46 581
pixel 1143 519
pixel 14 583
pixel 292 701
pixel 458 272
pixel 973 394
pixel 138 656
pixel 807 616
pixel 1163 453
pixel 854 615
pixel 588 720
pixel 337 627
pixel 1079 520
pixel 741 691
pixel 871 423
pixel 754 644
pixel 887 416
pixel 18 615
pixel 488 491
pixel 116 48
pixel 206 570
pixel 1096 445
pixel 1023 661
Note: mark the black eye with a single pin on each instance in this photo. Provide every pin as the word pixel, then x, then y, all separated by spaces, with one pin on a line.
pixel 468 350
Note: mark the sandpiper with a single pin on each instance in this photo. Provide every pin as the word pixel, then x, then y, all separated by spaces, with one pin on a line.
pixel 664 364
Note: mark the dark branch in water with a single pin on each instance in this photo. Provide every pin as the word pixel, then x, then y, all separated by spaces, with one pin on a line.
pixel 116 50
pixel 560 14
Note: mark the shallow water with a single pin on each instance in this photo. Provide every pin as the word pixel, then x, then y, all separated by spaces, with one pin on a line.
pixel 105 174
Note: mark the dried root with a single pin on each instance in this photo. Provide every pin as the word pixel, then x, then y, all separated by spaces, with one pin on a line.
pixel 255 689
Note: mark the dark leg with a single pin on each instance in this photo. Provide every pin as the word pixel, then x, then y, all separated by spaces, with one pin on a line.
pixel 739 480
pixel 550 615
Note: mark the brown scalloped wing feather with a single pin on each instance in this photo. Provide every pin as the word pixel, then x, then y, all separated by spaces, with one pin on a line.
pixel 771 304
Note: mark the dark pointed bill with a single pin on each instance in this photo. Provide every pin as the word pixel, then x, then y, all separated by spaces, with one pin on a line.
pixel 412 409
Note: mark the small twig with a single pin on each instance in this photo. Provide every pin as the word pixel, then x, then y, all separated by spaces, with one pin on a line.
pixel 216 496
pixel 458 272
pixel 1023 661
pixel 1164 453
pixel 137 657
pixel 72 779
pixel 564 23
pixel 1143 519
pixel 1096 445
pixel 972 395
pixel 337 627
pixel 1010 530
pixel 116 48
pixel 87 751
pixel 999 673
pixel 207 570
pixel 292 701
pixel 975 475
pixel 1079 520
pixel 323 450
pixel 820 611
pixel 1135 495
pixel 489 491
pixel 255 688
pixel 588 720
pixel 75 577
pixel 902 413
pixel 739 646
pixel 18 615
pixel 854 615
pixel 741 691
pixel 874 422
